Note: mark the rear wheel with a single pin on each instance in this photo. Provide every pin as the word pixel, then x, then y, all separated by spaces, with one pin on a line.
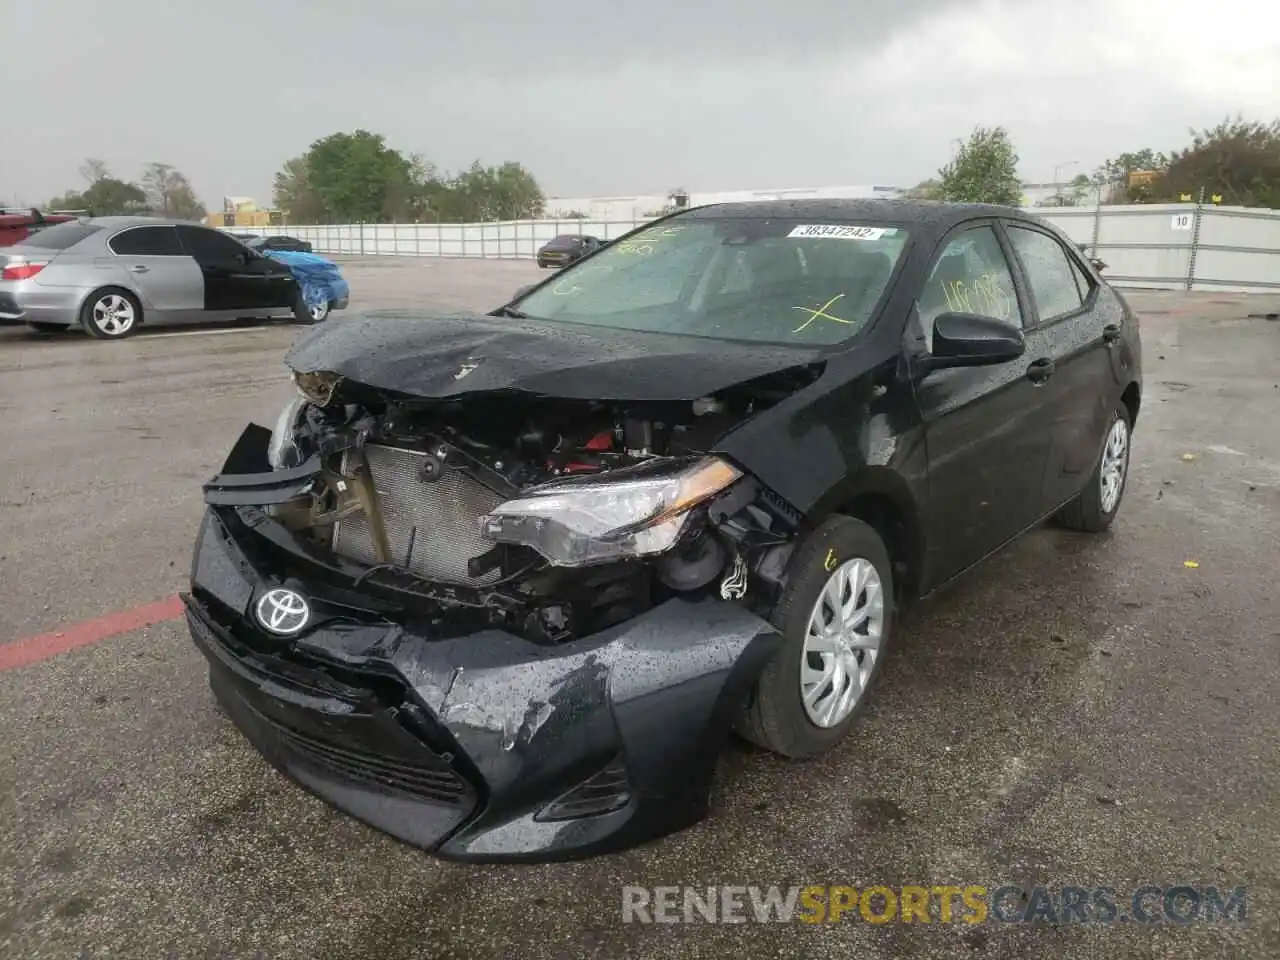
pixel 111 314
pixel 1096 506
pixel 836 616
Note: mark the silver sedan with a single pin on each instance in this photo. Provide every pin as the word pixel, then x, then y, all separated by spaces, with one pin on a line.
pixel 110 274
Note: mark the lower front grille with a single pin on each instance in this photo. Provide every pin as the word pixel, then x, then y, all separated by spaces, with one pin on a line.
pixel 436 784
pixel 433 527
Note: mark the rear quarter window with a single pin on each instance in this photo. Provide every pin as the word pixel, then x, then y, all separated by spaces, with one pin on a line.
pixel 60 236
pixel 158 241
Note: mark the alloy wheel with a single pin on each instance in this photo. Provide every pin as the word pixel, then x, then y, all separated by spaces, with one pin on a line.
pixel 842 642
pixel 114 315
pixel 1115 464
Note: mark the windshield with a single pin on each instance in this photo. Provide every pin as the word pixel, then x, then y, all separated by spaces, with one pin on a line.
pixel 765 280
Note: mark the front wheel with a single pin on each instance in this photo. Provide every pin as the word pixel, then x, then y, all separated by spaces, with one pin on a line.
pixel 111 314
pixel 305 312
pixel 1097 504
pixel 836 618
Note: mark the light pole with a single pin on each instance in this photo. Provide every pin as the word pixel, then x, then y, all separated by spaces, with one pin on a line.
pixel 1056 170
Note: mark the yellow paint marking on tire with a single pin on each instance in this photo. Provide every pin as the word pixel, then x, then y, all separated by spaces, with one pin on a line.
pixel 830 562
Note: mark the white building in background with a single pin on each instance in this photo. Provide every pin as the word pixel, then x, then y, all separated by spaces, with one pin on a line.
pixel 644 205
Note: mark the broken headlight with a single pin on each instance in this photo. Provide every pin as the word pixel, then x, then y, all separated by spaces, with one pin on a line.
pixel 318 387
pixel 283 451
pixel 633 512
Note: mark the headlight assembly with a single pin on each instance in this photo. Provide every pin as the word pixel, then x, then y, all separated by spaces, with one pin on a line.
pixel 639 511
pixel 318 387
pixel 283 451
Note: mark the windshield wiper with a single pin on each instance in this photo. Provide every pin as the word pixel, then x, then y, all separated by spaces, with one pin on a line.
pixel 511 312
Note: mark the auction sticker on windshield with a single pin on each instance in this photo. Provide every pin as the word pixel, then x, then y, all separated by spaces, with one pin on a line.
pixel 835 231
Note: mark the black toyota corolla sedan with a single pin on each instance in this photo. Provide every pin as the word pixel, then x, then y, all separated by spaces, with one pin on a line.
pixel 502 584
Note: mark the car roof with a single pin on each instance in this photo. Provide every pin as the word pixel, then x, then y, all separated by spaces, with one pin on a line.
pixel 933 216
pixel 115 223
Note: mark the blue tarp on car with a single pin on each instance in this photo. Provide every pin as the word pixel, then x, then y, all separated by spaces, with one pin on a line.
pixel 320 279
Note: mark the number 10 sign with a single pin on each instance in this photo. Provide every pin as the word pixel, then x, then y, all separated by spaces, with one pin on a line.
pixel 1182 221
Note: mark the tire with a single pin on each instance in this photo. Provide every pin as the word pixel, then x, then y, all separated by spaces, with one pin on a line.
pixel 48 327
pixel 303 312
pixel 776 717
pixel 111 313
pixel 1093 509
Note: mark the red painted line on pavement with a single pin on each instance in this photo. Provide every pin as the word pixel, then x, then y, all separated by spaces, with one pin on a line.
pixel 28 650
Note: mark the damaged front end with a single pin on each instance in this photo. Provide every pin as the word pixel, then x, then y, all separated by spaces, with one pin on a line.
pixel 530 621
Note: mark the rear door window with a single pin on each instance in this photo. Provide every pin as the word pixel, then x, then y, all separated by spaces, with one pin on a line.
pixel 60 236
pixel 210 246
pixel 158 241
pixel 1083 281
pixel 1049 273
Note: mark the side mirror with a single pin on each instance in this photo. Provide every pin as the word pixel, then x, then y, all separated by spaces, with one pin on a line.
pixel 970 340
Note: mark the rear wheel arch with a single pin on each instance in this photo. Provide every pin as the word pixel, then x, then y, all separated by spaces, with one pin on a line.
pixel 116 287
pixel 85 322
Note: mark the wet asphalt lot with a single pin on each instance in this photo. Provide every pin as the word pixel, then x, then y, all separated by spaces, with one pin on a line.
pixel 1080 710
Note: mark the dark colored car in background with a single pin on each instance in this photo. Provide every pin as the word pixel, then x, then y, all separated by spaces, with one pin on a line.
pixel 501 585
pixel 566 249
pixel 290 244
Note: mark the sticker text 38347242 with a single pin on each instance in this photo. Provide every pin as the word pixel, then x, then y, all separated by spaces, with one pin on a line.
pixel 840 231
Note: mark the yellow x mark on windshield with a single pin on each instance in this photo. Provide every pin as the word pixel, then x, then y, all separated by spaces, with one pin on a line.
pixel 820 312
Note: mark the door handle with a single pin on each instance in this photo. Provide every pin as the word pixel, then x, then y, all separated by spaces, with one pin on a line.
pixel 1041 370
pixel 140 268
pixel 1111 333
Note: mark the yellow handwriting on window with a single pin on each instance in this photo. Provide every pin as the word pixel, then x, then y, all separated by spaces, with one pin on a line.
pixel 986 294
pixel 643 245
pixel 572 284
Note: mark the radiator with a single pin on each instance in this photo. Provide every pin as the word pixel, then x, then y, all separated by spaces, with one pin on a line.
pixel 439 519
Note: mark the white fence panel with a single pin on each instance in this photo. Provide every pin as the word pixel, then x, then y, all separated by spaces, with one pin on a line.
pixel 1238 248
pixel 1148 245
pixel 1076 222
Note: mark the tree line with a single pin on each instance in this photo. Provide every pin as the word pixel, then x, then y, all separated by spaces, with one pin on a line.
pixel 160 191
pixel 1236 163
pixel 354 177
pixel 342 178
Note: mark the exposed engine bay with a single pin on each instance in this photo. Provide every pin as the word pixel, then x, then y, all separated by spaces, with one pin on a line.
pixel 550 518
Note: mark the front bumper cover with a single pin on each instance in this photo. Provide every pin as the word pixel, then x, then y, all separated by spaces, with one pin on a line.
pixel 478 747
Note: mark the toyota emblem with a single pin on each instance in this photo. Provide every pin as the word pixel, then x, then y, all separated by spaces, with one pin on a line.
pixel 282 612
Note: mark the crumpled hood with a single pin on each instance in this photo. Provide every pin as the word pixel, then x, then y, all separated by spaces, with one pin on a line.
pixel 451 355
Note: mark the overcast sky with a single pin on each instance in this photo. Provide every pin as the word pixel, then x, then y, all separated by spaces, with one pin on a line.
pixel 603 97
